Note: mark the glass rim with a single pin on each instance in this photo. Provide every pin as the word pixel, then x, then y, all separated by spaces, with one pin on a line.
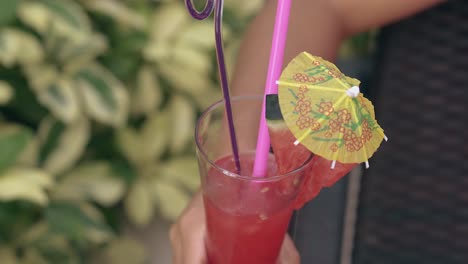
pixel 226 172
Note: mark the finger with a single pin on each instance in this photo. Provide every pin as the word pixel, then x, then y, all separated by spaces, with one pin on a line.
pixel 194 248
pixel 175 237
pixel 288 253
pixel 190 235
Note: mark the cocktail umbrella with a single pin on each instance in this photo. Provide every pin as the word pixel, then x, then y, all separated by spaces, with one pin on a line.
pixel 326 112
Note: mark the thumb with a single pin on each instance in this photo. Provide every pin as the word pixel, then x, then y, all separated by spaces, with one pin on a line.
pixel 288 253
pixel 194 248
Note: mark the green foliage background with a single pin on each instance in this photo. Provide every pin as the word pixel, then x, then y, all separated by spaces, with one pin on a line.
pixel 98 101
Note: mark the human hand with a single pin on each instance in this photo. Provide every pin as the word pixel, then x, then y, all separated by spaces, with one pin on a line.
pixel 187 234
pixel 187 237
pixel 288 253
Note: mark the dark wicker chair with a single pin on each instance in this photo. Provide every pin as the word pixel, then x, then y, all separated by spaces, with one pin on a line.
pixel 413 201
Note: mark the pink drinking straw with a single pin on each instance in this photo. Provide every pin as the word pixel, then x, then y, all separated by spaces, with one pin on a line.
pixel 274 72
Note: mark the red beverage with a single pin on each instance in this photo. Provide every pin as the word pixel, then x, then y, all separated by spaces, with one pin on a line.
pixel 247 218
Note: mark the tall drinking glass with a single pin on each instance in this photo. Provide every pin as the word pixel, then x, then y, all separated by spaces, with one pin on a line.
pixel 247 217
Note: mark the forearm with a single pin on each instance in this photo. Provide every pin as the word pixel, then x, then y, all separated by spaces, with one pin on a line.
pixel 310 29
pixel 361 15
pixel 316 26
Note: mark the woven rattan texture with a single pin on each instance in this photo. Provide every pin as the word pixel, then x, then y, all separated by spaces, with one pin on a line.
pixel 414 199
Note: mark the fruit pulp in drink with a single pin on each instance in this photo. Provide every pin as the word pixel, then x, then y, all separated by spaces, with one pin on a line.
pixel 246 218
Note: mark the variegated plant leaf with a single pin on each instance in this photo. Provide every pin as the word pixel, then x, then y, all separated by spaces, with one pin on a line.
pixel 158 51
pixel 6 92
pixel 33 256
pixel 182 171
pixel 40 76
pixel 33 233
pixel 62 145
pixel 154 136
pixel 13 141
pixel 149 170
pixel 91 181
pixel 139 205
pixel 8 11
pixel 29 157
pixel 171 199
pixel 244 8
pixel 129 143
pixel 183 123
pixel 61 99
pixel 168 20
pixel 25 184
pixel 63 17
pixel 8 255
pixel 144 146
pixel 40 234
pixel 192 59
pixel 96 235
pixel 69 221
pixel 183 79
pixel 78 53
pixel 105 97
pixel 19 47
pixel 199 35
pixel 147 96
pixel 123 251
pixel 207 98
pixel 118 11
pixel 58 245
pixel 91 211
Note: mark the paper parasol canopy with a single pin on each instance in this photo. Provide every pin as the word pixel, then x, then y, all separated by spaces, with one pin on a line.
pixel 326 112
